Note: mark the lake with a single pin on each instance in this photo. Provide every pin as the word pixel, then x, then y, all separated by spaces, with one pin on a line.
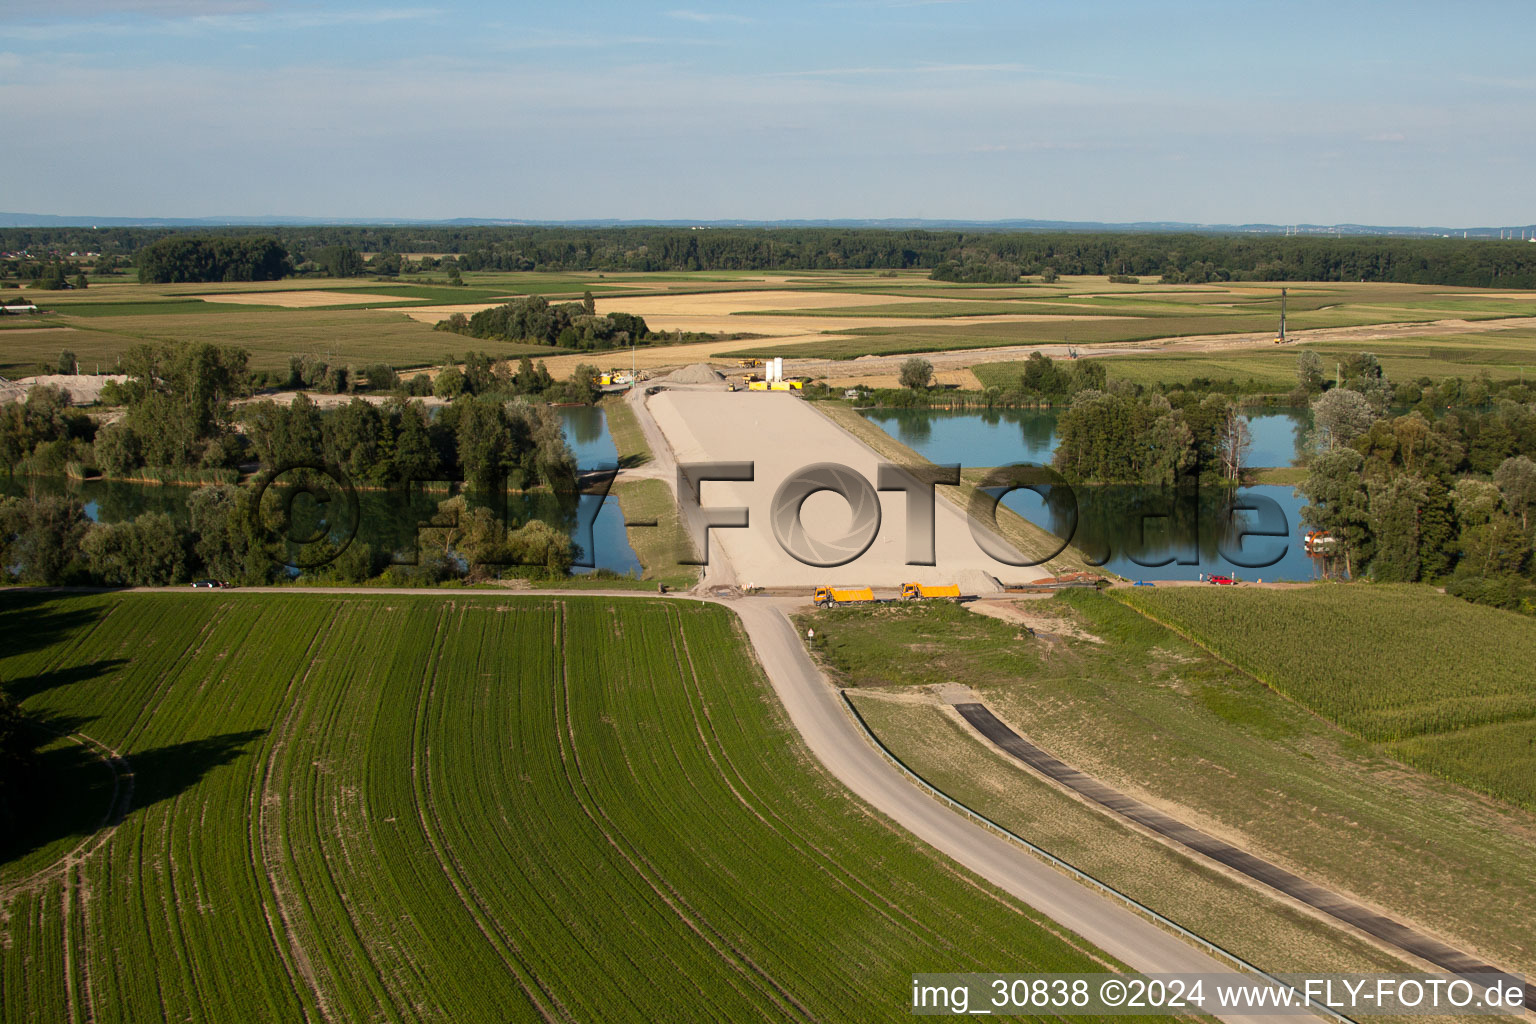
pixel 390 521
pixel 1137 532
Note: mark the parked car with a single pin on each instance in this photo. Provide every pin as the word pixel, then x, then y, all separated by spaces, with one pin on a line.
pixel 210 584
pixel 1221 581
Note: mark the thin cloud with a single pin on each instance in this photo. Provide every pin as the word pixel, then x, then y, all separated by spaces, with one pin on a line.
pixel 934 69
pixel 587 41
pixel 157 8
pixel 710 17
pixel 203 18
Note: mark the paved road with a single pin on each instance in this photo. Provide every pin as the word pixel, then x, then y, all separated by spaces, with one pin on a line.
pixel 1313 895
pixel 815 711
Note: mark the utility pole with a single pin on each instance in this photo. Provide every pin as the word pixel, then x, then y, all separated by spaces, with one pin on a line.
pixel 1282 316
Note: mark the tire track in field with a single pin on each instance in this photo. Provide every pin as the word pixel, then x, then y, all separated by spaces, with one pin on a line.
pixel 723 947
pixel 71 998
pixel 705 998
pixel 322 728
pixel 898 918
pixel 559 698
pixel 167 678
pixel 267 848
pixel 506 948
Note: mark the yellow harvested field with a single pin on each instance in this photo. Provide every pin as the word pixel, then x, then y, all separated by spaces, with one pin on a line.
pixel 726 303
pixel 303 299
pixel 432 314
pixel 723 313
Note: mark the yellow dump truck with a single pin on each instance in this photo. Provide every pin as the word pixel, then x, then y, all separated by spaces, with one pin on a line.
pixel 914 591
pixel 844 595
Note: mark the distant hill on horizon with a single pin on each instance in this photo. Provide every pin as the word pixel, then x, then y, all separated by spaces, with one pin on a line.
pixel 49 220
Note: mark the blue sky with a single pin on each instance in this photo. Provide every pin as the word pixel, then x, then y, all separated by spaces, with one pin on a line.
pixel 1385 113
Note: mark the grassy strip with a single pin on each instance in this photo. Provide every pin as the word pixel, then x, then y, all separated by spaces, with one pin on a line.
pixel 658 547
pixel 1163 720
pixel 1259 927
pixel 1029 539
pixel 1288 476
pixel 625 430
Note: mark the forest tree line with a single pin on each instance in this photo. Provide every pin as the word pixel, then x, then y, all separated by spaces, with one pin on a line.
pixel 959 255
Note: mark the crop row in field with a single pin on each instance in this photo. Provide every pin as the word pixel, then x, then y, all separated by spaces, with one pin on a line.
pixel 940 337
pixel 462 808
pixel 1502 355
pixel 271 336
pixel 1137 706
pixel 1446 683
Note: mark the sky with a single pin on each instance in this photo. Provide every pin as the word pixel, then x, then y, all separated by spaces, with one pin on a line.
pixel 1234 112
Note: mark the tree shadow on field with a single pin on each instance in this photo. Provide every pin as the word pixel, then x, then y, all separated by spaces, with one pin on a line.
pixel 19 690
pixel 30 621
pixel 166 772
pixel 66 789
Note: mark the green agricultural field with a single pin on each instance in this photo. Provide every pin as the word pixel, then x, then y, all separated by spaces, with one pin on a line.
pixel 1134 704
pixel 271 336
pixel 1445 684
pixel 465 808
pixel 1502 355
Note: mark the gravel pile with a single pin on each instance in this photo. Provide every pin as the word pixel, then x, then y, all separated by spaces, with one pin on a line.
pixel 698 373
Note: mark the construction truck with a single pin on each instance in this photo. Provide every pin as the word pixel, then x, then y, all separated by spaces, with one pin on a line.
pixel 918 591
pixel 749 362
pixel 844 595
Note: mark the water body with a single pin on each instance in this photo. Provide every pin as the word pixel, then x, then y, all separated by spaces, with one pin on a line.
pixel 392 521
pixel 1137 532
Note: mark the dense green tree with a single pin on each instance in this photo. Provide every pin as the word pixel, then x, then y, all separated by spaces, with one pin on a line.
pixel 381 377
pixel 117 450
pixel 1339 505
pixel 225 539
pixel 1115 437
pixel 1340 416
pixel 449 383
pixel 178 401
pixel 916 373
pixel 147 551
pixel 1396 505
pixel 45 418
pixel 191 258
pixel 40 539
pixel 1309 372
pixel 1516 481
pixel 339 261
